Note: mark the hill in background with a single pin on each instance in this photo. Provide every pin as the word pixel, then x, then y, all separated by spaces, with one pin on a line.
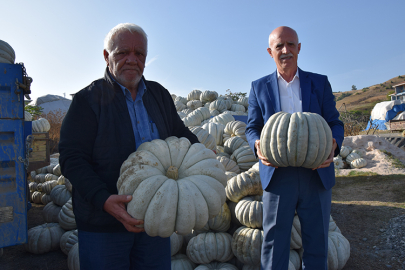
pixel 363 100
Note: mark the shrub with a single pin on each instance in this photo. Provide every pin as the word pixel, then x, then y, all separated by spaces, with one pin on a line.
pixel 35 111
pixel 343 95
pixel 55 119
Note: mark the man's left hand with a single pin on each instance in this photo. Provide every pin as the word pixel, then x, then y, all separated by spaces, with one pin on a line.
pixel 330 158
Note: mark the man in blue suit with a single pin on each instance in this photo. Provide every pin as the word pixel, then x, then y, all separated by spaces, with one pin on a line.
pixel 290 189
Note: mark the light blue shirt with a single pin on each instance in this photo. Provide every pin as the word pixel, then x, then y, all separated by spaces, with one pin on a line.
pixel 144 128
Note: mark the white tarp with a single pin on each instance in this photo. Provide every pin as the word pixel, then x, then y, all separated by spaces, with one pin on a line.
pixel 380 110
pixel 52 103
pixel 400 116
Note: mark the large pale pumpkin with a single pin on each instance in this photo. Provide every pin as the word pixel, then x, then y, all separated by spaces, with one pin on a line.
pixel 338 251
pixel 176 186
pixel 217 266
pixel 208 247
pixel 208 96
pixel 234 143
pixel 249 211
pixel 68 240
pixel 181 99
pixel 243 101
pixel 235 128
pixel 73 258
pixel 245 157
pixel 44 238
pixel 223 118
pixel 222 221
pixel 40 125
pixel 66 217
pixel 7 54
pixel 358 163
pixel 60 195
pixel 182 262
pixel 194 95
pixel 296 237
pixel 50 213
pixel 216 130
pixel 245 184
pixel 176 242
pixel 204 137
pixel 297 140
pixel 230 165
pixel 247 245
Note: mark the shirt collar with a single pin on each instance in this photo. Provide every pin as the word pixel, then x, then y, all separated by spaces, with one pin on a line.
pixel 141 87
pixel 281 77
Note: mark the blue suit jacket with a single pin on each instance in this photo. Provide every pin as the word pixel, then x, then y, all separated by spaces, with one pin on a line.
pixel 317 97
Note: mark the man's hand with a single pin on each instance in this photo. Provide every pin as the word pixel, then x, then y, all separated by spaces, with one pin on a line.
pixel 261 157
pixel 330 158
pixel 115 205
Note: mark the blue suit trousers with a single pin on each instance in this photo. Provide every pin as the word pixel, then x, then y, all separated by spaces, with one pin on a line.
pixel 295 189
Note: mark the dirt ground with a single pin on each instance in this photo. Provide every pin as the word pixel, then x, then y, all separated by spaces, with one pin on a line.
pixel 362 207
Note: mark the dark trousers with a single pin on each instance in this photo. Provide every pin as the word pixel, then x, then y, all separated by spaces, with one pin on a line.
pixel 124 250
pixel 302 190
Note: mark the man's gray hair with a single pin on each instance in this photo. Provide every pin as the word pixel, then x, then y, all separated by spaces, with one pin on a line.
pixel 130 27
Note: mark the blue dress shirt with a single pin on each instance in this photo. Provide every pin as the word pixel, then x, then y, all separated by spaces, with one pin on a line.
pixel 144 128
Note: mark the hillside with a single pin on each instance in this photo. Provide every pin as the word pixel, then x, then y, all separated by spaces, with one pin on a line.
pixel 364 99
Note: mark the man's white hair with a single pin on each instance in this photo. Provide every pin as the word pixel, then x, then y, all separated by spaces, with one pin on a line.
pixel 131 27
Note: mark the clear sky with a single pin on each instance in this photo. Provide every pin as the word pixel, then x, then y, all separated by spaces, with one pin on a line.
pixel 206 45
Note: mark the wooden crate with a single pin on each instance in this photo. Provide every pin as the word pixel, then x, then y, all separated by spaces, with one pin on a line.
pixel 40 155
pixel 397 125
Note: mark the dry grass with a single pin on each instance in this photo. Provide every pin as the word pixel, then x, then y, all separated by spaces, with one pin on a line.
pixel 55 119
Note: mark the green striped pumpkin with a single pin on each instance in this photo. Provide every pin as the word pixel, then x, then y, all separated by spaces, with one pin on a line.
pixel 297 140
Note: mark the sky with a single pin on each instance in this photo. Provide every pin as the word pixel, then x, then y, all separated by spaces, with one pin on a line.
pixel 206 45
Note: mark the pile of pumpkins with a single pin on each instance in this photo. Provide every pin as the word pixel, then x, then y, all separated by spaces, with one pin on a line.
pixel 349 158
pixel 48 186
pixel 39 125
pixel 199 106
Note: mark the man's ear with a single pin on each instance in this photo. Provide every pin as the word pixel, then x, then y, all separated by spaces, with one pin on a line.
pixel 106 54
pixel 269 51
pixel 299 47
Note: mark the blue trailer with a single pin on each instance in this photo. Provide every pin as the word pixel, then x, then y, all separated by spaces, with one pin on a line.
pixel 15 137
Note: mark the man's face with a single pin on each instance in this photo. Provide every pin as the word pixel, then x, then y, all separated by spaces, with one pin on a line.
pixel 284 48
pixel 126 61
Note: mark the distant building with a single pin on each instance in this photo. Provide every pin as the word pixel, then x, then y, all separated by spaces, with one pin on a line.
pixel 399 92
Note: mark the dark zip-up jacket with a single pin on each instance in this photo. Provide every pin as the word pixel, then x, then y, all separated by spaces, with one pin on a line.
pixel 97 137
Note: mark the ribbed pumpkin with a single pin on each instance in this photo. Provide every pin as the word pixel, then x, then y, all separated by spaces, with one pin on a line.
pixel 298 140
pixel 60 195
pixel 50 213
pixel 229 175
pixel 345 151
pixel 244 101
pixel 182 262
pixel 66 216
pixel 222 221
pixel 296 238
pixel 352 156
pixel 358 163
pixel 247 245
pixel 208 96
pixel 68 240
pixel 218 105
pixel 44 238
pixel 338 251
pixel 27 116
pixel 214 113
pixel 338 162
pixel 216 130
pixel 179 105
pixel 7 54
pixel 181 115
pixel 238 108
pixel 45 198
pixel 33 186
pixel 176 186
pixel 223 119
pixel 40 125
pixel 230 165
pixel 40 178
pixel 187 111
pixel 61 180
pixel 358 152
pixel 68 185
pixel 245 157
pixel 36 197
pixel 181 99
pixel 73 258
pixel 204 137
pixel 217 266
pixel 234 143
pixel 208 247
pixel 176 242
pixel 249 211
pixel 295 260
pixel 48 186
pixel 235 128
pixel 245 184
pixel 194 95
pixel 194 104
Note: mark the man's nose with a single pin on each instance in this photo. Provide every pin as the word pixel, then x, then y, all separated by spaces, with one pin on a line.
pixel 285 49
pixel 131 59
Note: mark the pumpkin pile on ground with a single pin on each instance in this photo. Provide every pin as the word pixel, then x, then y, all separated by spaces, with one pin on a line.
pixel 48 186
pixel 350 158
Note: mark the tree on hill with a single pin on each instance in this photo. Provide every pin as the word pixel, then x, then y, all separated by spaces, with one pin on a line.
pixel 354 87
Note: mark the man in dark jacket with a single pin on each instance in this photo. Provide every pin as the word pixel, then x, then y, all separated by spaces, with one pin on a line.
pixel 106 122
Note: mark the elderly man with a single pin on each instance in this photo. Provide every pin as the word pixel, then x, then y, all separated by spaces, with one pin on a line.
pixel 290 189
pixel 106 122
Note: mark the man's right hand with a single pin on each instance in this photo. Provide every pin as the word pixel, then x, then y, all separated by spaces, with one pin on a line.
pixel 115 205
pixel 261 157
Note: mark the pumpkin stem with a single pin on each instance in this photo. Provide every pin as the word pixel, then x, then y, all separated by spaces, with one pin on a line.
pixel 172 172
